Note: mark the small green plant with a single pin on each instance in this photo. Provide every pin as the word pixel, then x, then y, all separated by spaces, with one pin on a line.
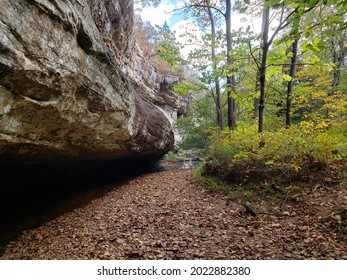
pixel 174 157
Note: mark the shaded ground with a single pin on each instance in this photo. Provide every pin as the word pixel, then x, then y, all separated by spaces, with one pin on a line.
pixel 34 194
pixel 168 215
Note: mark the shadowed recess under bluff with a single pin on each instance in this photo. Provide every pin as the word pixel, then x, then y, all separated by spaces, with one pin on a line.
pixel 34 194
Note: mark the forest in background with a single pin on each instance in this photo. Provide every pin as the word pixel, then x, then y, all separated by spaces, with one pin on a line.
pixel 273 102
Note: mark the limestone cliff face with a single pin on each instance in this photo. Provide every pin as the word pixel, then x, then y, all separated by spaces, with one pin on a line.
pixel 74 84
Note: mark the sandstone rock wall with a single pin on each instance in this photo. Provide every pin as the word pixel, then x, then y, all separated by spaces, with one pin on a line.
pixel 73 83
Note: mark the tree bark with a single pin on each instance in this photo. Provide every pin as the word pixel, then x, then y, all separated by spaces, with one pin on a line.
pixel 231 80
pixel 256 100
pixel 338 60
pixel 213 55
pixel 290 83
pixel 262 70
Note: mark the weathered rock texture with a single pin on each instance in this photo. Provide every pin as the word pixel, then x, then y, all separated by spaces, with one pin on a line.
pixel 173 104
pixel 73 83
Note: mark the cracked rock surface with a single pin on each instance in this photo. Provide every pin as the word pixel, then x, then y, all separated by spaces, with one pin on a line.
pixel 70 84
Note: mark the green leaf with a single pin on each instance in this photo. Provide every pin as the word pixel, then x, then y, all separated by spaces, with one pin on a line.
pixel 286 77
pixel 305 46
pixel 330 32
pixel 318 44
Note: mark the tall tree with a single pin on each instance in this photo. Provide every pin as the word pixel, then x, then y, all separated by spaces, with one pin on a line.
pixel 291 82
pixel 339 55
pixel 294 35
pixel 231 80
pixel 215 65
pixel 265 44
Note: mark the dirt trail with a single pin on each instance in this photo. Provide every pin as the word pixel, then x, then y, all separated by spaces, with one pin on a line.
pixel 167 215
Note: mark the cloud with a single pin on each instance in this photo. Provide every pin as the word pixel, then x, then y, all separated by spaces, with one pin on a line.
pixel 158 15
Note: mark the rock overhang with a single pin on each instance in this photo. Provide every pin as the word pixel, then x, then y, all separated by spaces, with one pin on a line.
pixel 68 88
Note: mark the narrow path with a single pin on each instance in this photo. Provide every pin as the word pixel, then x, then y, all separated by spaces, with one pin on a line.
pixel 167 215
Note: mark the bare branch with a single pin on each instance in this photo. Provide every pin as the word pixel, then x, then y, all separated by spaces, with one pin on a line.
pixel 288 64
pixel 284 22
pixel 199 6
pixel 253 57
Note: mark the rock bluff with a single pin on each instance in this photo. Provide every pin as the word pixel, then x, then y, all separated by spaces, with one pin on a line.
pixel 75 86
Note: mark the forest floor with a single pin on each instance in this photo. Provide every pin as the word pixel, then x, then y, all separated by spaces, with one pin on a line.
pixel 168 215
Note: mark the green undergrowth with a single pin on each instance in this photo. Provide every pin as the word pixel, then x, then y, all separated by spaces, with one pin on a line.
pixel 175 157
pixel 302 153
pixel 293 146
pixel 248 165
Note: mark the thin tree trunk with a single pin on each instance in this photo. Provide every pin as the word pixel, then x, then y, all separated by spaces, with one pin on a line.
pixel 338 60
pixel 218 104
pixel 213 54
pixel 256 100
pixel 231 81
pixel 290 83
pixel 262 70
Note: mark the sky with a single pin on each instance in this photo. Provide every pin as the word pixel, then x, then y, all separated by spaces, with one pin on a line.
pixel 164 13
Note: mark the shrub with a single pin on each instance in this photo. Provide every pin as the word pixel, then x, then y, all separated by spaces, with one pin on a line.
pixel 291 145
pixel 235 156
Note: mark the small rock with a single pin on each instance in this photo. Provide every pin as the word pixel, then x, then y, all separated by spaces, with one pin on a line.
pixel 250 209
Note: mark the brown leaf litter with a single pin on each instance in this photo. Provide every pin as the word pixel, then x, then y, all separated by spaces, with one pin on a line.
pixel 167 215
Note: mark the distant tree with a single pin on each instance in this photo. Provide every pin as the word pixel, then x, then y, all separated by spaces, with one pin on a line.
pixel 146 36
pixel 224 9
pixel 167 46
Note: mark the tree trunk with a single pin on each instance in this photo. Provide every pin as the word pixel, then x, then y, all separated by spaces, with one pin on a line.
pixel 231 81
pixel 256 100
pixel 290 83
pixel 213 54
pixel 262 70
pixel 218 104
pixel 338 61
